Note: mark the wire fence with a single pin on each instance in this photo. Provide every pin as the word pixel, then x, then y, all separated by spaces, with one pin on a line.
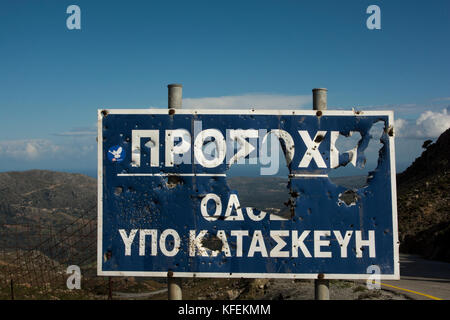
pixel 34 257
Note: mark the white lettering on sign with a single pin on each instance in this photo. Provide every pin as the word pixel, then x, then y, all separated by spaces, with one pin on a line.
pixel 219 142
pixel 195 243
pixel 153 144
pixel 319 243
pixel 275 244
pixel 233 203
pixel 334 152
pixel 154 244
pixel 182 148
pixel 280 243
pixel 168 251
pixel 365 243
pixel 211 148
pixel 343 242
pixel 298 242
pixel 312 151
pixel 128 240
pixel 204 207
pixel 257 244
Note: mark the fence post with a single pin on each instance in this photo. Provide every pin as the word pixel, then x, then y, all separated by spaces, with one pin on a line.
pixel 321 285
pixel 12 288
pixel 174 291
pixel 109 289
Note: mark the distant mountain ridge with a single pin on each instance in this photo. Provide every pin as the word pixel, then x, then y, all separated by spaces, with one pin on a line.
pixel 47 189
pixel 37 203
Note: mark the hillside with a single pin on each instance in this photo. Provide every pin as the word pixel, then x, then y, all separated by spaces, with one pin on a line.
pixel 36 205
pixel 424 202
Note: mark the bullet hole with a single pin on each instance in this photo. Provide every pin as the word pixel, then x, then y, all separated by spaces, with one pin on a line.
pixel 391 131
pixel 319 113
pixel 348 197
pixel 118 190
pixel 212 242
pixel 150 144
pixel 171 112
pixel 173 181
pixel 104 113
pixel 319 138
pixel 107 256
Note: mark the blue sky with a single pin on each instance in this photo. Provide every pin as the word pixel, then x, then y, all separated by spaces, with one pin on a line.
pixel 263 53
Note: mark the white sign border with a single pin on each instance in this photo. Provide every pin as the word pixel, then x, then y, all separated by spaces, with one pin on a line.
pixel 100 272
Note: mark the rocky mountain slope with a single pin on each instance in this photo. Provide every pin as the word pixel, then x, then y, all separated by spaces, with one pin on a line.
pixel 424 202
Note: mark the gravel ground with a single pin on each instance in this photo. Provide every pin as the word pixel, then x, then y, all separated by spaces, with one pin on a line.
pixel 276 289
pixel 339 290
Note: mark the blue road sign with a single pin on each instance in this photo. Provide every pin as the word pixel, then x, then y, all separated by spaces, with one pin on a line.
pixel 165 205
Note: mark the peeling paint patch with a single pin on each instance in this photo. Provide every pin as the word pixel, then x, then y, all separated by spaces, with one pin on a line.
pixel 349 198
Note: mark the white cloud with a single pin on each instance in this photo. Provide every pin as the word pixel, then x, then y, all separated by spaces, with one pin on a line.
pixel 257 101
pixel 429 125
pixel 76 133
pixel 27 149
pixel 79 132
pixel 39 149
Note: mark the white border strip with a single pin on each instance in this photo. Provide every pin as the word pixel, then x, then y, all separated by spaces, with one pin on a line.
pixel 396 243
pixel 99 194
pixel 306 175
pixel 171 174
pixel 246 275
pixel 249 112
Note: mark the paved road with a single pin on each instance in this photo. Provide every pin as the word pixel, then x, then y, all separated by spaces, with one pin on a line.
pixel 421 279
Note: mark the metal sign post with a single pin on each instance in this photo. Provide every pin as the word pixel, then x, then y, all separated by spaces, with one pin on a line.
pixel 321 286
pixel 175 98
pixel 166 209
